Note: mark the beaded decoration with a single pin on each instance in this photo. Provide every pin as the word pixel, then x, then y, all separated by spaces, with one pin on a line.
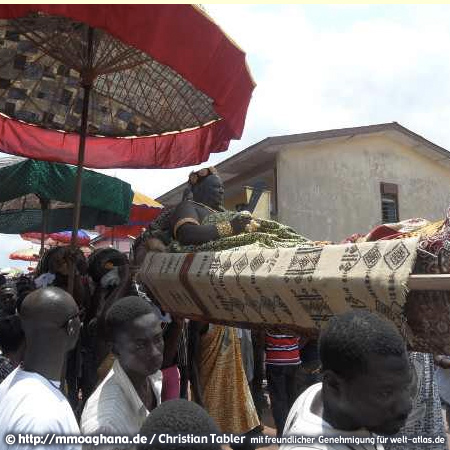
pixel 196 177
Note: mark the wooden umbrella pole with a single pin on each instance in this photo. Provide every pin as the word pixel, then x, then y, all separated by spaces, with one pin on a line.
pixel 87 85
pixel 44 208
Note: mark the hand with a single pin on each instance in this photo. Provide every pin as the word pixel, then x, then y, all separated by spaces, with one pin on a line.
pixel 239 223
pixel 442 361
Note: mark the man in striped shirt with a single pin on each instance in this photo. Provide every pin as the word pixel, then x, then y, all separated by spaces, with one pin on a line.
pixel 282 364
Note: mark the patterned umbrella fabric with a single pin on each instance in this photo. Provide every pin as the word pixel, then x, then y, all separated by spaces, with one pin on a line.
pixel 25 183
pixel 166 77
pixel 155 86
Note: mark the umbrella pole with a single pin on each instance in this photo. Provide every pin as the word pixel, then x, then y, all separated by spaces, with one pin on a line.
pixel 44 207
pixel 78 185
pixel 87 85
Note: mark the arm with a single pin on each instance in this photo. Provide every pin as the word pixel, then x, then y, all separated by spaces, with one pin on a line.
pixel 191 234
pixel 171 341
pixel 186 227
pixel 194 362
pixel 442 361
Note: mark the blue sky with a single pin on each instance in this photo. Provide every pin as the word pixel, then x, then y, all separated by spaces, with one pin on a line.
pixel 319 67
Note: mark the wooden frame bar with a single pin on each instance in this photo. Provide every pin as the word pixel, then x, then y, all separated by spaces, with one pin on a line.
pixel 438 282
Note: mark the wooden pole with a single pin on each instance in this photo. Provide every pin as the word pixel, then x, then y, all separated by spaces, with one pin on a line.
pixel 44 207
pixel 425 282
pixel 87 85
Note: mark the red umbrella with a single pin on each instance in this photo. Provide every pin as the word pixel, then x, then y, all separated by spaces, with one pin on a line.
pixel 195 83
pixel 155 86
pixel 60 237
pixel 143 210
pixel 28 254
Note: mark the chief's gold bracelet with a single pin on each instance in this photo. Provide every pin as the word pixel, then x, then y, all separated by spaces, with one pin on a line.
pixel 224 229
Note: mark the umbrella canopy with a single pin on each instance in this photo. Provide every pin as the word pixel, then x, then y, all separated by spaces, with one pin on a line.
pixel 27 254
pixel 61 237
pixel 143 210
pixel 154 86
pixel 24 184
pixel 164 74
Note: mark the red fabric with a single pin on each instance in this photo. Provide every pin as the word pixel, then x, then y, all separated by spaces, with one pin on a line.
pixel 140 217
pixel 282 349
pixel 121 232
pixel 382 232
pixel 24 256
pixel 180 36
pixel 170 383
pixel 62 237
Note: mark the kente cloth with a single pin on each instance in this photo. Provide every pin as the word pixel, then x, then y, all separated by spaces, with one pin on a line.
pixel 400 230
pixel 301 286
pixel 427 312
pixel 224 386
pixel 270 234
pixel 425 418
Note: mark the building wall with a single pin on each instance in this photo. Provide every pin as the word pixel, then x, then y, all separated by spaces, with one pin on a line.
pixel 238 190
pixel 331 190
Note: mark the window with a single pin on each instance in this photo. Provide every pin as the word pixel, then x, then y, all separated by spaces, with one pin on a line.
pixel 389 203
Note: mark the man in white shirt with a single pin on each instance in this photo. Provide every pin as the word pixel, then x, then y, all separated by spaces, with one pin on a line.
pixel 366 389
pixel 132 388
pixel 30 399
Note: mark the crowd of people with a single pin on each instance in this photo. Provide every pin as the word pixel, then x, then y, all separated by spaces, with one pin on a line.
pixel 145 372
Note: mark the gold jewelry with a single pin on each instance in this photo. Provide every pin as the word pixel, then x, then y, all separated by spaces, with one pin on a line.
pixel 252 227
pixel 224 229
pixel 181 222
pixel 204 206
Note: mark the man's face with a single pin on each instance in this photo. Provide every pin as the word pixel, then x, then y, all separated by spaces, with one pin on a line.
pixel 381 399
pixel 140 346
pixel 211 192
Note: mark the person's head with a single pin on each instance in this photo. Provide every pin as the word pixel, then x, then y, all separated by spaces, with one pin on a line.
pixel 57 260
pixel 104 264
pixel 11 334
pixel 24 285
pixel 50 319
pixel 8 299
pixel 133 326
pixel 367 375
pixel 178 417
pixel 207 187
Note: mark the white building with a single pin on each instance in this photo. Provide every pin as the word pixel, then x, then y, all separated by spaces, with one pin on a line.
pixel 330 184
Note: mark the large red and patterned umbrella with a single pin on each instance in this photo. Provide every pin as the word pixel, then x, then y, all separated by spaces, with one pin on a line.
pixel 155 86
pixel 165 86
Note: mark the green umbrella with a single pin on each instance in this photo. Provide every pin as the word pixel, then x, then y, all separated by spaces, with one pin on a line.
pixel 39 196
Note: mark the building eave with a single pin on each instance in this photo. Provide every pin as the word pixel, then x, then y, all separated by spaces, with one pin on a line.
pixel 267 149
